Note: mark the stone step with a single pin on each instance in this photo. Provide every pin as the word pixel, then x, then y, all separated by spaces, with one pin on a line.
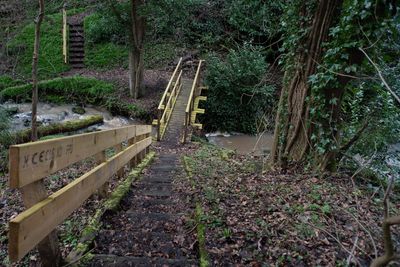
pixel 80 49
pixel 78 66
pixel 76 55
pixel 119 261
pixel 76 60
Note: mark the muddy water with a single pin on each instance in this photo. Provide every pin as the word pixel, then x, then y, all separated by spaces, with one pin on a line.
pixel 51 113
pixel 243 144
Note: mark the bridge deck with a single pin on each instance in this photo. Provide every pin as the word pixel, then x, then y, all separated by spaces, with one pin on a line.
pixel 175 127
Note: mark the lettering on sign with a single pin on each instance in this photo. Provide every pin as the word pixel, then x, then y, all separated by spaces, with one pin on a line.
pixel 47 155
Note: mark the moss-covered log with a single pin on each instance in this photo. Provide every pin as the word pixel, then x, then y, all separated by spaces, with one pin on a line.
pixel 57 128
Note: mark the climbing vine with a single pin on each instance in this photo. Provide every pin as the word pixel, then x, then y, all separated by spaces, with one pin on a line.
pixel 339 73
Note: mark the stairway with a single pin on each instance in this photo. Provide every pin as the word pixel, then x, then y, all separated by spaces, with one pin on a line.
pixel 150 228
pixel 76 46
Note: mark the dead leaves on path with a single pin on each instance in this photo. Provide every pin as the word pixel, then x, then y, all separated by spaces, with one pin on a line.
pixel 291 219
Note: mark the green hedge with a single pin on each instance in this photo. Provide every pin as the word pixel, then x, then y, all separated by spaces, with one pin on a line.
pixel 60 90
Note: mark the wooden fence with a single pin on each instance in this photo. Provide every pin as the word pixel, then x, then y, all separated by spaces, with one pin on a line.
pixel 192 106
pixel 168 100
pixel 30 163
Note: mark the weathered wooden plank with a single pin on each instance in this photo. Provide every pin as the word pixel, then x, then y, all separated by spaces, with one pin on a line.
pixel 48 248
pixel 34 224
pixel 32 161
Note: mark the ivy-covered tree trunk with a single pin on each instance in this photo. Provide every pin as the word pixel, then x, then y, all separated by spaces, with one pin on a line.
pixel 293 127
pixel 136 68
pixel 323 54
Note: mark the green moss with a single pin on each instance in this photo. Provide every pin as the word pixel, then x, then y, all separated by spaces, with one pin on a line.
pixel 72 89
pixel 56 128
pixel 201 236
pixel 201 228
pixel 7 81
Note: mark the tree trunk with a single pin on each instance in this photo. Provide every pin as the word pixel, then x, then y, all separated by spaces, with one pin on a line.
pixel 136 87
pixel 293 128
pixel 49 252
pixel 35 61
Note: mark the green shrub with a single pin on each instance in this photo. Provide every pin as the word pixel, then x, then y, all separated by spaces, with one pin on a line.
pixel 76 89
pixel 237 95
pixel 104 27
pixel 7 81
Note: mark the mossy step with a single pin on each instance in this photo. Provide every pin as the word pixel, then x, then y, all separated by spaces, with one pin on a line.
pixel 123 261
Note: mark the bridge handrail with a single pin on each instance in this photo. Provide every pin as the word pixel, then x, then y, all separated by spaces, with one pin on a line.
pixel 190 103
pixel 168 100
pixel 178 66
pixel 30 163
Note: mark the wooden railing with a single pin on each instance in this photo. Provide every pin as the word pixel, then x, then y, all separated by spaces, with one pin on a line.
pixel 30 163
pixel 65 35
pixel 192 106
pixel 168 100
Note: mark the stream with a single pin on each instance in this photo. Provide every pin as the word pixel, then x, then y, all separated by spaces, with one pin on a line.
pixel 243 143
pixel 51 113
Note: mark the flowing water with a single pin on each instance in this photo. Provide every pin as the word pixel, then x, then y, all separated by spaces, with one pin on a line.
pixel 242 143
pixel 52 113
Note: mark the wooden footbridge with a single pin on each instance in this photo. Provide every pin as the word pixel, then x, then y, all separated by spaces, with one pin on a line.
pixel 31 163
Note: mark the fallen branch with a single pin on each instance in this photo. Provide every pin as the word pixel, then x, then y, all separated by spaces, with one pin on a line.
pixel 387 235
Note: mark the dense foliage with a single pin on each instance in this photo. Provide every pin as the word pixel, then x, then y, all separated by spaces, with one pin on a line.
pixel 208 24
pixel 238 94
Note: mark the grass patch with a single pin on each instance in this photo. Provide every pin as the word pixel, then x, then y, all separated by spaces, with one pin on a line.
pixel 105 56
pixel 51 60
pixel 60 90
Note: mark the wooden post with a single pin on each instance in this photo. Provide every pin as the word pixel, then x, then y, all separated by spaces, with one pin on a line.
pixel 65 35
pixel 118 148
pixel 48 248
pixel 159 126
pixel 100 158
pixel 132 163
